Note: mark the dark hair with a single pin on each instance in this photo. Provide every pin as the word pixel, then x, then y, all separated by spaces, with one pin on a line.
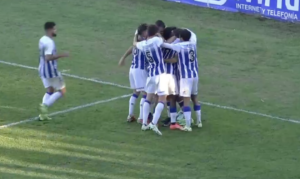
pixel 177 32
pixel 143 27
pixel 152 30
pixel 160 23
pixel 185 35
pixel 49 25
pixel 167 32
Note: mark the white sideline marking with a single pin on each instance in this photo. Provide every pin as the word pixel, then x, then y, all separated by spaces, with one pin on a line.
pixel 126 87
pixel 251 112
pixel 65 111
pixel 68 75
pixel 12 108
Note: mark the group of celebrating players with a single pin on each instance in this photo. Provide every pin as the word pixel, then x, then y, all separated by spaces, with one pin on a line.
pixel 164 69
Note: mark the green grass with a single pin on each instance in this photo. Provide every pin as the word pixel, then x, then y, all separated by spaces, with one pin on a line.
pixel 244 63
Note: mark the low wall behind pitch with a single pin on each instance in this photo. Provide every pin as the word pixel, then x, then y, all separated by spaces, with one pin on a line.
pixel 285 10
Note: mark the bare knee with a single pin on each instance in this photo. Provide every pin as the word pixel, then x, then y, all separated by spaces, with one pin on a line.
pixel 50 90
pixel 195 99
pixel 137 93
pixel 63 91
pixel 162 98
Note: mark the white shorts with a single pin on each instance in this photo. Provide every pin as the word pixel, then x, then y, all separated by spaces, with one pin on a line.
pixel 172 84
pixel 57 82
pixel 157 84
pixel 137 79
pixel 188 87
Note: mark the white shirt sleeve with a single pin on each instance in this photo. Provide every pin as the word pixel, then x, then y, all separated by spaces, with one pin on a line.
pixel 159 41
pixel 139 45
pixel 136 32
pixel 49 48
pixel 193 38
pixel 175 47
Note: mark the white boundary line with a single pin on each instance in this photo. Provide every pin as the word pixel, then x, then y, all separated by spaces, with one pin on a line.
pixel 13 108
pixel 68 75
pixel 126 87
pixel 66 111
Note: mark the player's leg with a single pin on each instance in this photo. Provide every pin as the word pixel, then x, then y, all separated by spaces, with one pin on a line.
pixel 58 84
pixel 197 106
pixel 134 96
pixel 168 106
pixel 185 92
pixel 132 101
pixel 173 91
pixel 49 91
pixel 150 90
pixel 140 119
pixel 169 78
pixel 197 109
pixel 166 122
pixel 179 100
pixel 146 110
pixel 154 102
pixel 141 82
pixel 162 92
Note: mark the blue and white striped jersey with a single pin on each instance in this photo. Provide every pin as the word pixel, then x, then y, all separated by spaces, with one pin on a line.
pixel 153 53
pixel 171 68
pixel 138 59
pixel 47 69
pixel 187 58
pixel 169 54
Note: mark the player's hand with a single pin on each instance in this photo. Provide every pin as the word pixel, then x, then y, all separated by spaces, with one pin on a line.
pixel 66 54
pixel 122 62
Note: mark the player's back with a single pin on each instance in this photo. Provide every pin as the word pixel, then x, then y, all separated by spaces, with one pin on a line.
pixel 47 69
pixel 187 60
pixel 153 53
pixel 169 54
pixel 138 59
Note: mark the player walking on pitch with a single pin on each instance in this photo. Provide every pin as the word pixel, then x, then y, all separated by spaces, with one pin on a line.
pixel 51 77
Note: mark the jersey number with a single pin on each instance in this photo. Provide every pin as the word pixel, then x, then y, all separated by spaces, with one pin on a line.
pixel 149 57
pixel 135 51
pixel 192 55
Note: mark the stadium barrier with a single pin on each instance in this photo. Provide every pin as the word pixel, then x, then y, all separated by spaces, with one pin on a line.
pixel 285 10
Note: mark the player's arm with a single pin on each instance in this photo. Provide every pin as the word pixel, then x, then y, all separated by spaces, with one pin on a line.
pixel 136 36
pixel 171 40
pixel 171 60
pixel 55 57
pixel 49 55
pixel 175 47
pixel 158 35
pixel 138 45
pixel 126 54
